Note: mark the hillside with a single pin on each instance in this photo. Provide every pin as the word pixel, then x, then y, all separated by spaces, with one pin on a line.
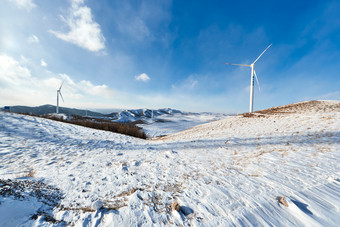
pixel 285 120
pixel 304 107
pixel 47 109
pixel 229 172
pixel 155 123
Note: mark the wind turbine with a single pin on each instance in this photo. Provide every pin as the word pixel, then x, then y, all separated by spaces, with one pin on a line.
pixel 59 93
pixel 252 78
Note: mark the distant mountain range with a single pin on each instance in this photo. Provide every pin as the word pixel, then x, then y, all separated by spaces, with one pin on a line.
pixel 122 116
pixel 47 109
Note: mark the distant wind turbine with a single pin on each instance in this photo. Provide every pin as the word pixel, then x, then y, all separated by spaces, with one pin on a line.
pixel 252 78
pixel 59 93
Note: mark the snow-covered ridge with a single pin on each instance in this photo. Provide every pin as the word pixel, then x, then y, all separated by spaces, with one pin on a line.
pixel 315 106
pixel 266 122
pixel 143 114
pixel 155 123
pixel 229 172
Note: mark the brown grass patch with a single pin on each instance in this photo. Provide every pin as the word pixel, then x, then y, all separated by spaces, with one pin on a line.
pixel 129 192
pixel 302 107
pixel 129 129
pixel 251 115
pixel 30 173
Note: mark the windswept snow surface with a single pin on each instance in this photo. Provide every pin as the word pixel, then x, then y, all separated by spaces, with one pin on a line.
pixel 165 121
pixel 166 124
pixel 227 172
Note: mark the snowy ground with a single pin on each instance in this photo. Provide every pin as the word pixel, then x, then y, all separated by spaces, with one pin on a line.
pixel 227 172
pixel 168 124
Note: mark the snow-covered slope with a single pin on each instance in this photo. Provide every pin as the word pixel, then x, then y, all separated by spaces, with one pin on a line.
pixel 166 124
pixel 158 122
pixel 165 121
pixel 227 172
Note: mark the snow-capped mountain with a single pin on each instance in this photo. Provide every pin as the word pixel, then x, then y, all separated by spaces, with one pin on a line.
pixel 158 122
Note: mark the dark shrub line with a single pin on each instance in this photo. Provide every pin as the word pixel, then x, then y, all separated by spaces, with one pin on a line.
pixel 101 124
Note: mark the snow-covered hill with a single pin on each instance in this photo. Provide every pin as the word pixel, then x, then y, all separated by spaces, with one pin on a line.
pixel 228 172
pixel 155 123
pixel 165 124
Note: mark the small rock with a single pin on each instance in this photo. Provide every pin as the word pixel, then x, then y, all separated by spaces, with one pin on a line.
pixel 97 205
pixel 175 206
pixel 282 200
pixel 138 163
pixel 187 210
pixel 109 164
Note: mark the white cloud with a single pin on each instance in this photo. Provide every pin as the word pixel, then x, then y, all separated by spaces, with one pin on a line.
pixel 11 72
pixel 24 4
pixel 33 39
pixel 77 2
pixel 99 90
pixel 43 63
pixel 142 21
pixel 67 79
pixel 135 27
pixel 84 32
pixel 86 87
pixel 142 77
pixel 19 87
pixel 188 84
pixel 331 95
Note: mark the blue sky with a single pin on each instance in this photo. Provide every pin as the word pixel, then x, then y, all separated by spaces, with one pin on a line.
pixel 155 54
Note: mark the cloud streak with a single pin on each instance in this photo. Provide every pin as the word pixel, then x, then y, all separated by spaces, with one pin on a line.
pixel 83 30
pixel 24 4
pixel 33 39
pixel 142 77
pixel 43 63
pixel 189 83
pixel 12 73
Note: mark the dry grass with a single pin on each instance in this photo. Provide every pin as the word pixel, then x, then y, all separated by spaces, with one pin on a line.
pixel 129 192
pixel 302 107
pixel 116 206
pixel 30 173
pixel 129 129
pixel 84 209
pixel 251 115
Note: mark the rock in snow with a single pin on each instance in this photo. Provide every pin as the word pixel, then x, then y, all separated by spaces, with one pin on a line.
pixel 97 205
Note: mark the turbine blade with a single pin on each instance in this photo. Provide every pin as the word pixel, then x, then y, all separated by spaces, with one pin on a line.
pixel 237 64
pixel 61 85
pixel 257 80
pixel 262 54
pixel 61 96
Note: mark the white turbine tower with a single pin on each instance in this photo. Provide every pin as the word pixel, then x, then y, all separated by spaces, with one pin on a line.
pixel 59 93
pixel 252 78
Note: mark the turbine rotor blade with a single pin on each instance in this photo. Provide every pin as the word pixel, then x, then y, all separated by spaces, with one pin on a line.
pixel 61 96
pixel 237 64
pixel 61 85
pixel 257 80
pixel 261 54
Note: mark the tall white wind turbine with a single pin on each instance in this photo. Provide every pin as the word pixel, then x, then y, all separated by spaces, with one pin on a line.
pixel 252 78
pixel 59 93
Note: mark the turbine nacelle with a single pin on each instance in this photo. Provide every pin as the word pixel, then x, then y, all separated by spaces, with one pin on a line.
pixel 253 74
pixel 59 93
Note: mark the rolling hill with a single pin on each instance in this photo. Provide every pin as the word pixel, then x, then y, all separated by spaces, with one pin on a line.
pixel 231 172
